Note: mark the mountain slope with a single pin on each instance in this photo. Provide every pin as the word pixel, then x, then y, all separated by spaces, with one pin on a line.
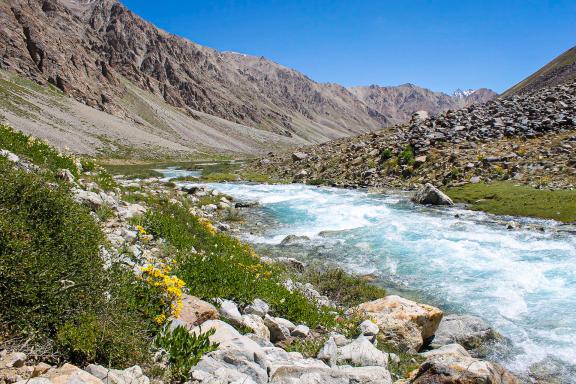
pixel 85 47
pixel 137 78
pixel 560 70
pixel 399 103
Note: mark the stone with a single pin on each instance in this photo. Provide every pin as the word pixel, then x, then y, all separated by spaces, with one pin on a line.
pixel 90 199
pixel 429 194
pixel 279 330
pixel 368 328
pixel 12 157
pixel 301 371
pixel 293 239
pixel 361 352
pixel 299 156
pixel 13 360
pixel 365 375
pixel 451 364
pixel 286 261
pixel 329 352
pixel 404 323
pixel 256 323
pixel 301 331
pixel 66 175
pixel 475 179
pixel 469 331
pixel 258 307
pixel 195 311
pixel 229 311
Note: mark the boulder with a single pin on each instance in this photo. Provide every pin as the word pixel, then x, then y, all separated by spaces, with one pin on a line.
pixel 90 199
pixel 256 323
pixel 279 330
pixel 329 352
pixel 299 156
pixel 429 194
pixel 65 174
pixel 405 324
pixel 195 311
pixel 301 331
pixel 451 364
pixel 469 331
pixel 258 307
pixel 361 352
pixel 67 374
pixel 229 311
pixel 294 239
pixel 368 328
pixel 364 375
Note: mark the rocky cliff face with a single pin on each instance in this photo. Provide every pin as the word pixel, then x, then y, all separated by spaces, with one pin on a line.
pixel 399 103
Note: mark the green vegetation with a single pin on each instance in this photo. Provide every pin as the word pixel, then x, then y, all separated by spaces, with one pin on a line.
pixel 407 156
pixel 217 177
pixel 385 154
pixel 506 198
pixel 216 265
pixel 341 287
pixel 184 349
pixel 53 286
pixel 37 151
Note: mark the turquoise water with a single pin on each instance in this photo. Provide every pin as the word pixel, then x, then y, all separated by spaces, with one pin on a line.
pixel 523 282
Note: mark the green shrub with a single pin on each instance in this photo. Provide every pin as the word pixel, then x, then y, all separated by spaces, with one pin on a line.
pixel 385 154
pixel 184 349
pixel 407 156
pixel 37 151
pixel 54 289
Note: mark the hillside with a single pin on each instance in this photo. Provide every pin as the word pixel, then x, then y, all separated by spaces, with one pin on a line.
pixel 560 70
pixel 137 91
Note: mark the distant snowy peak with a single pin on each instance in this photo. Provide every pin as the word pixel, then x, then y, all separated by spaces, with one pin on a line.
pixel 459 93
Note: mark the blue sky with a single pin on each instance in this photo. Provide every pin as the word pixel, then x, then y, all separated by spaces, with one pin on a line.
pixel 442 45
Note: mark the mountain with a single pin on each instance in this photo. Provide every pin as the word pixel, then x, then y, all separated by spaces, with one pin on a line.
pixel 115 85
pixel 560 70
pixel 399 103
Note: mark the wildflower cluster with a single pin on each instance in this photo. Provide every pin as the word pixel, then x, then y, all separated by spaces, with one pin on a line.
pixel 257 269
pixel 171 286
pixel 207 225
pixel 142 234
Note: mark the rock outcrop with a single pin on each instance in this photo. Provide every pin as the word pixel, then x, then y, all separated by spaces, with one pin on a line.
pixel 429 194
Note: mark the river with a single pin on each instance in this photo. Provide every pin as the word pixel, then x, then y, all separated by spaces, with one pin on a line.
pixel 522 282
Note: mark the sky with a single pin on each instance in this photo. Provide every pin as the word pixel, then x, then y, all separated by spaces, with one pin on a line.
pixel 441 45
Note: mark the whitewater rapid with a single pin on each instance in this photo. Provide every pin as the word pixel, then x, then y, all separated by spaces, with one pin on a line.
pixel 523 282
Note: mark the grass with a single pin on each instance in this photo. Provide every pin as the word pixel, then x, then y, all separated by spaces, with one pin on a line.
pixel 217 177
pixel 339 286
pixel 307 347
pixel 507 198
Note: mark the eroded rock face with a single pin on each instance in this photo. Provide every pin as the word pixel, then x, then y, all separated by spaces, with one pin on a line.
pixel 404 323
pixel 451 364
pixel 195 311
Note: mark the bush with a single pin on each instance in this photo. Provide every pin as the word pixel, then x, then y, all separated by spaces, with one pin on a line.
pixel 37 151
pixel 54 289
pixel 184 349
pixel 407 156
pixel 385 154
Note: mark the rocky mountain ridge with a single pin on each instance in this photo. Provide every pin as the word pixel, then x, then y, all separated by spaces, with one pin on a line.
pixel 400 102
pixel 101 54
